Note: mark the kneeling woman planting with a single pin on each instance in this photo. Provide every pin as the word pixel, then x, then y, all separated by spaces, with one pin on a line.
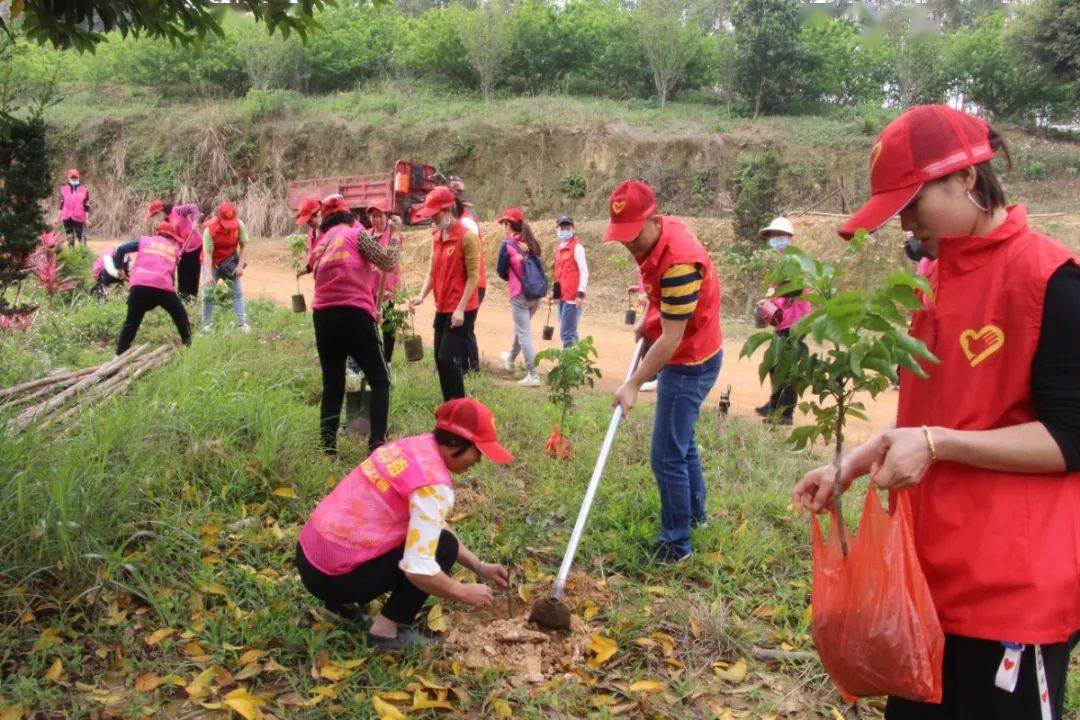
pixel 383 528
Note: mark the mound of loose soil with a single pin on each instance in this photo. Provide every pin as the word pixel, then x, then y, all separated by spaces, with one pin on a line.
pixel 501 638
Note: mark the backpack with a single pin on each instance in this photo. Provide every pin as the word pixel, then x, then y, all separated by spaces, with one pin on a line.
pixel 534 282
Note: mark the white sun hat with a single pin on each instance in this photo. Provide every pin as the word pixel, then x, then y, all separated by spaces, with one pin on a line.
pixel 779 225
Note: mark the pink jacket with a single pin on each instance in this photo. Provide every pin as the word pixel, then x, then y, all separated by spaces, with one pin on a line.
pixel 793 310
pixel 517 264
pixel 367 514
pixel 73 205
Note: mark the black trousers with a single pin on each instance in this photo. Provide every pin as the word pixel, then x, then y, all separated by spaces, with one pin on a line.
pixel 104 281
pixel 969 692
pixel 452 351
pixel 474 346
pixel 141 300
pixel 373 579
pixel 341 332
pixel 75 230
pixel 389 339
pixel 783 397
pixel 187 274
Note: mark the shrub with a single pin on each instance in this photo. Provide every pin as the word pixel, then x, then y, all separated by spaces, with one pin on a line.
pixel 756 186
pixel 573 185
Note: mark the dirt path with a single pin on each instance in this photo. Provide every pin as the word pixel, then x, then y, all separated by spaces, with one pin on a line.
pixel 270 276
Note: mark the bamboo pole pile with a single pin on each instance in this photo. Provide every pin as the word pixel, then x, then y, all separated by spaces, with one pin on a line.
pixel 56 397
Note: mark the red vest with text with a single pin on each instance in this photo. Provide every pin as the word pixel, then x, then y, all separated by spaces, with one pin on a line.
pixel 448 270
pixel 225 240
pixel 1001 551
pixel 155 263
pixel 74 203
pixel 343 277
pixel 678 246
pixel 566 271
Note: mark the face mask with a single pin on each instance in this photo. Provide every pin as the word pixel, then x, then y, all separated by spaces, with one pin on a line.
pixel 779 242
pixel 73 183
pixel 564 234
pixel 446 223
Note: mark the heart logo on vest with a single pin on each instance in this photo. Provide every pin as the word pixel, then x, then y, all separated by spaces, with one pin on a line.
pixel 617 207
pixel 450 250
pixel 981 344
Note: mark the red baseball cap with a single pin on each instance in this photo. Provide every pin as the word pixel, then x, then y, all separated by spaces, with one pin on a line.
pixel 226 215
pixel 156 206
pixel 438 199
pixel 926 143
pixel 73 174
pixel 166 229
pixel 334 204
pixel 631 205
pixel 512 215
pixel 381 205
pixel 469 418
pixel 308 207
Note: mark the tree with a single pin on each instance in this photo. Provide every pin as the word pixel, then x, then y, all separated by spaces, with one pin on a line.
pixel 82 25
pixel 1047 34
pixel 24 183
pixel 769 60
pixel 850 68
pixel 756 186
pixel 860 337
pixel 670 38
pixel 486 35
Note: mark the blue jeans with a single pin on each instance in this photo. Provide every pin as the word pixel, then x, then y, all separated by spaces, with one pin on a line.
pixel 237 298
pixel 674 454
pixel 569 314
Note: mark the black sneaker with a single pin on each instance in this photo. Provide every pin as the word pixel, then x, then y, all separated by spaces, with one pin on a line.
pixel 407 639
pixel 666 554
pixel 349 614
pixel 764 410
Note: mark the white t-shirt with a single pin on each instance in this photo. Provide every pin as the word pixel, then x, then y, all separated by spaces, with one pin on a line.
pixel 429 508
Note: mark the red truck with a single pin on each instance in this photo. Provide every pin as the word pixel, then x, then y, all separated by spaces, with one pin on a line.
pixel 403 189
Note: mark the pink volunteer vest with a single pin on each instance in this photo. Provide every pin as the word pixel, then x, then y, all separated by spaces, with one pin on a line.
pixel 343 277
pixel 155 264
pixel 74 207
pixel 367 514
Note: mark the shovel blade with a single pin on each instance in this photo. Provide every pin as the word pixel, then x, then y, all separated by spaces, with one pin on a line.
pixel 550 613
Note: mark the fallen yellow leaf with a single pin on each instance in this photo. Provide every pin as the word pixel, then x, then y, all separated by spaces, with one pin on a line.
pixel 285 492
pixel 250 656
pixel 55 671
pixel 436 619
pixel 215 589
pixel 502 708
pixel 193 649
pixel 333 672
pixel 200 686
pixel 384 709
pixel 666 642
pixel 12 712
pixel 421 702
pixel 47 639
pixel 735 673
pixel 397 695
pixel 837 715
pixel 652 686
pixel 429 684
pixel 158 635
pixel 148 683
pixel 766 611
pixel 695 628
pixel 245 704
pixel 589 610
pixel 323 692
pixel 603 649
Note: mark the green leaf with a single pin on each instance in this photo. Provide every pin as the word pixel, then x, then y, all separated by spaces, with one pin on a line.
pixel 752 343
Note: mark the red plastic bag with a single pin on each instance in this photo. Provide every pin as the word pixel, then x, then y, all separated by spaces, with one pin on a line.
pixel 874 623
pixel 557 445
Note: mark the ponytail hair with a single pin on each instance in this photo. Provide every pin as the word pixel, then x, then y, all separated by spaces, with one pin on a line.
pixel 527 236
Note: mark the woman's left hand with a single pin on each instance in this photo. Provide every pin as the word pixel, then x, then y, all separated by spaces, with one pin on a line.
pixel 494 573
pixel 907 458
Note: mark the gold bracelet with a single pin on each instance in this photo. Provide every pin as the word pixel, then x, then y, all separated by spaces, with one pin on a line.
pixel 930 443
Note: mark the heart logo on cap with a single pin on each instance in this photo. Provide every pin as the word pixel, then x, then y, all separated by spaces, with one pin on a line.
pixel 617 206
pixel 874 155
pixel 1009 664
pixel 981 344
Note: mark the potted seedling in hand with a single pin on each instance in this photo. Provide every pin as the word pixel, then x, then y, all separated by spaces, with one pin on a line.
pixel 299 251
pixel 575 367
pixel 853 341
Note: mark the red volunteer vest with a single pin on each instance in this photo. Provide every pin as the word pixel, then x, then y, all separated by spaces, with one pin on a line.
pixel 225 240
pixel 566 271
pixel 448 269
pixel 343 277
pixel 678 246
pixel 74 203
pixel 1001 551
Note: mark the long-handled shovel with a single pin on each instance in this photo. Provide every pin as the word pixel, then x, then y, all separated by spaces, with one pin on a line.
pixel 551 612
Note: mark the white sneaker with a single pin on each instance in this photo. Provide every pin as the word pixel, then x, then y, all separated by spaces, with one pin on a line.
pixel 530 380
pixel 245 328
pixel 649 386
pixel 508 364
pixel 207 328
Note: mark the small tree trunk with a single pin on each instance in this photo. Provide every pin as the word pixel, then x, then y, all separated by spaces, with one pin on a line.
pixel 759 97
pixel 837 465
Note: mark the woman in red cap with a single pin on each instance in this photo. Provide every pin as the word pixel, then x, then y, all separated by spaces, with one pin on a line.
pixel 519 243
pixel 387 230
pixel 224 242
pixel 74 207
pixel 348 263
pixel 453 276
pixel 988 445
pixel 152 282
pixel 383 528
pixel 185 218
